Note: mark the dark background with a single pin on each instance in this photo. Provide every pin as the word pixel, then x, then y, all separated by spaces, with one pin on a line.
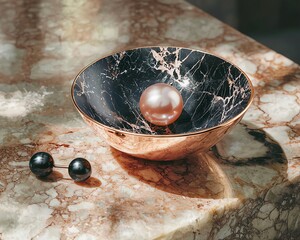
pixel 274 23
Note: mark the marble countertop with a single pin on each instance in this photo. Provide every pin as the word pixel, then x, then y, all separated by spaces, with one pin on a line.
pixel 247 187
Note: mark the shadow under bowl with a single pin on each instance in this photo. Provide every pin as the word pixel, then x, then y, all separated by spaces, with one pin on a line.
pixel 216 95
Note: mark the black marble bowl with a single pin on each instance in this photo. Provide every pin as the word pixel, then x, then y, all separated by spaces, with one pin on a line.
pixel 216 95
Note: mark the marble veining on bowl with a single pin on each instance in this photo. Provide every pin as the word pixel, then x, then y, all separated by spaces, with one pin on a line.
pixel 213 90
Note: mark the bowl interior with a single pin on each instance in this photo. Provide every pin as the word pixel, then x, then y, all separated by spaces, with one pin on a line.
pixel 213 90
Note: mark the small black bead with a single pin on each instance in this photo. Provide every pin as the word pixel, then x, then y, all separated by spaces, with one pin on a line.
pixel 80 169
pixel 41 164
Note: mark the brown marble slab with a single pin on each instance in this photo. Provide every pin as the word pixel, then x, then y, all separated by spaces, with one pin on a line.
pixel 247 187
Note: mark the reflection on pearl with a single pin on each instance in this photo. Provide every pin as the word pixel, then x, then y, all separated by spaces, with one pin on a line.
pixel 161 104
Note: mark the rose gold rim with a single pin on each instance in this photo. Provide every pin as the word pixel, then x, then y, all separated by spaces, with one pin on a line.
pixel 158 135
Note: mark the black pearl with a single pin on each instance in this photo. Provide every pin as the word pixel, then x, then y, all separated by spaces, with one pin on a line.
pixel 80 169
pixel 41 164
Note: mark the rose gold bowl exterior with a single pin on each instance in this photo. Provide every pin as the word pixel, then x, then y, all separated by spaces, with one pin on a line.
pixel 164 147
pixel 161 147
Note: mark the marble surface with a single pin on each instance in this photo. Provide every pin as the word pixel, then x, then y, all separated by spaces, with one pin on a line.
pixel 247 187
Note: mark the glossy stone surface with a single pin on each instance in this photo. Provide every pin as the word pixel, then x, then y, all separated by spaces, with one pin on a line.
pixel 213 90
pixel 246 188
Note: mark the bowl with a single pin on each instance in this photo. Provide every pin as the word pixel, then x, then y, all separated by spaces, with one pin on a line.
pixel 216 95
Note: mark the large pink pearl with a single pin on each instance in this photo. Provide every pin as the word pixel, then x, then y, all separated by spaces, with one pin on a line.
pixel 161 104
